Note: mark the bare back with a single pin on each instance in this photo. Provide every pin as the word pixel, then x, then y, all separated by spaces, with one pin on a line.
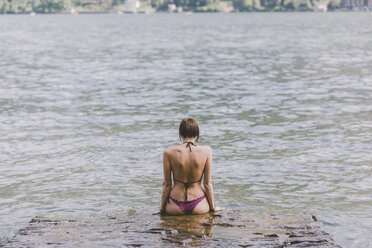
pixel 188 166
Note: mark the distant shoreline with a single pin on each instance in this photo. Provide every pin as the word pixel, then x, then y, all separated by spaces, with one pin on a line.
pixel 116 12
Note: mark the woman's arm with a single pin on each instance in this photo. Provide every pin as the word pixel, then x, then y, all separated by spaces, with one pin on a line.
pixel 167 184
pixel 208 181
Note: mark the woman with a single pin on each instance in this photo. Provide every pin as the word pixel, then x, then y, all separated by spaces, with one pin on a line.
pixel 188 163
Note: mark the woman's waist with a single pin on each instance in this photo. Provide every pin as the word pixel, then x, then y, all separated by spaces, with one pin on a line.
pixel 186 186
pixel 193 191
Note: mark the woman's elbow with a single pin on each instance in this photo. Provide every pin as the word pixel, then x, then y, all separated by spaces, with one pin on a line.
pixel 207 185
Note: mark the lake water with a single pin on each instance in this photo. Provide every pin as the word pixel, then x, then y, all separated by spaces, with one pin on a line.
pixel 88 103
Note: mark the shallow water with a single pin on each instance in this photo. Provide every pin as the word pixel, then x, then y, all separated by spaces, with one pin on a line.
pixel 89 102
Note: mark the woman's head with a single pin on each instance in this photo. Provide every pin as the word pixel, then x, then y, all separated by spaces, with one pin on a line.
pixel 189 128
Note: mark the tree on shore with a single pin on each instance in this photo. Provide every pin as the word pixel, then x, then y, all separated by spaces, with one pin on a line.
pixel 52 6
pixel 247 5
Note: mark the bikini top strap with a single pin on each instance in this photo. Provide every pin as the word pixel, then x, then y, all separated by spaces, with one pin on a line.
pixel 197 181
pixel 187 185
pixel 189 144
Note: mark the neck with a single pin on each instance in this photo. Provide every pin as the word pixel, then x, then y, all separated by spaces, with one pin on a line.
pixel 185 140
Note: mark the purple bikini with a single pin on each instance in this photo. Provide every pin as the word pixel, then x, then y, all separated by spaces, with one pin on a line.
pixel 187 206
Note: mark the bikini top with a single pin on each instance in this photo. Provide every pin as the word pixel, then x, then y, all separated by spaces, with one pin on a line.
pixel 187 184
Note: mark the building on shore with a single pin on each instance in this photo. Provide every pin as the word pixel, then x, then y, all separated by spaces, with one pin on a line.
pixel 131 6
pixel 321 7
pixel 225 7
pixel 172 8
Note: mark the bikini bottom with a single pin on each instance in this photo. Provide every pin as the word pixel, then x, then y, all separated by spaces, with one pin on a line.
pixel 188 206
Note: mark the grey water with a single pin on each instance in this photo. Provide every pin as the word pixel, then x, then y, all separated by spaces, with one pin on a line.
pixel 88 103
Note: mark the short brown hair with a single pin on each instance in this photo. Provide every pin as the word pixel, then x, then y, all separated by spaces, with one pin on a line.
pixel 189 128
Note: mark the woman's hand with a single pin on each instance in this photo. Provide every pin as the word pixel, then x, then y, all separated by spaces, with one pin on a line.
pixel 162 211
pixel 217 209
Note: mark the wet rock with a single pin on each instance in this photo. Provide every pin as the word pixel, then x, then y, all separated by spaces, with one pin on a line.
pixel 155 230
pixel 272 235
pixel 314 218
pixel 237 228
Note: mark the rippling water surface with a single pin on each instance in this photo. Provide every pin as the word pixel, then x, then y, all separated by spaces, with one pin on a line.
pixel 88 103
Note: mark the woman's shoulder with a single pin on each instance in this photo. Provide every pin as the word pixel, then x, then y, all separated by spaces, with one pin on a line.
pixel 205 149
pixel 171 149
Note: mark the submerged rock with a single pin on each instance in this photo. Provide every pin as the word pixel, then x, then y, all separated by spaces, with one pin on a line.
pixel 230 228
